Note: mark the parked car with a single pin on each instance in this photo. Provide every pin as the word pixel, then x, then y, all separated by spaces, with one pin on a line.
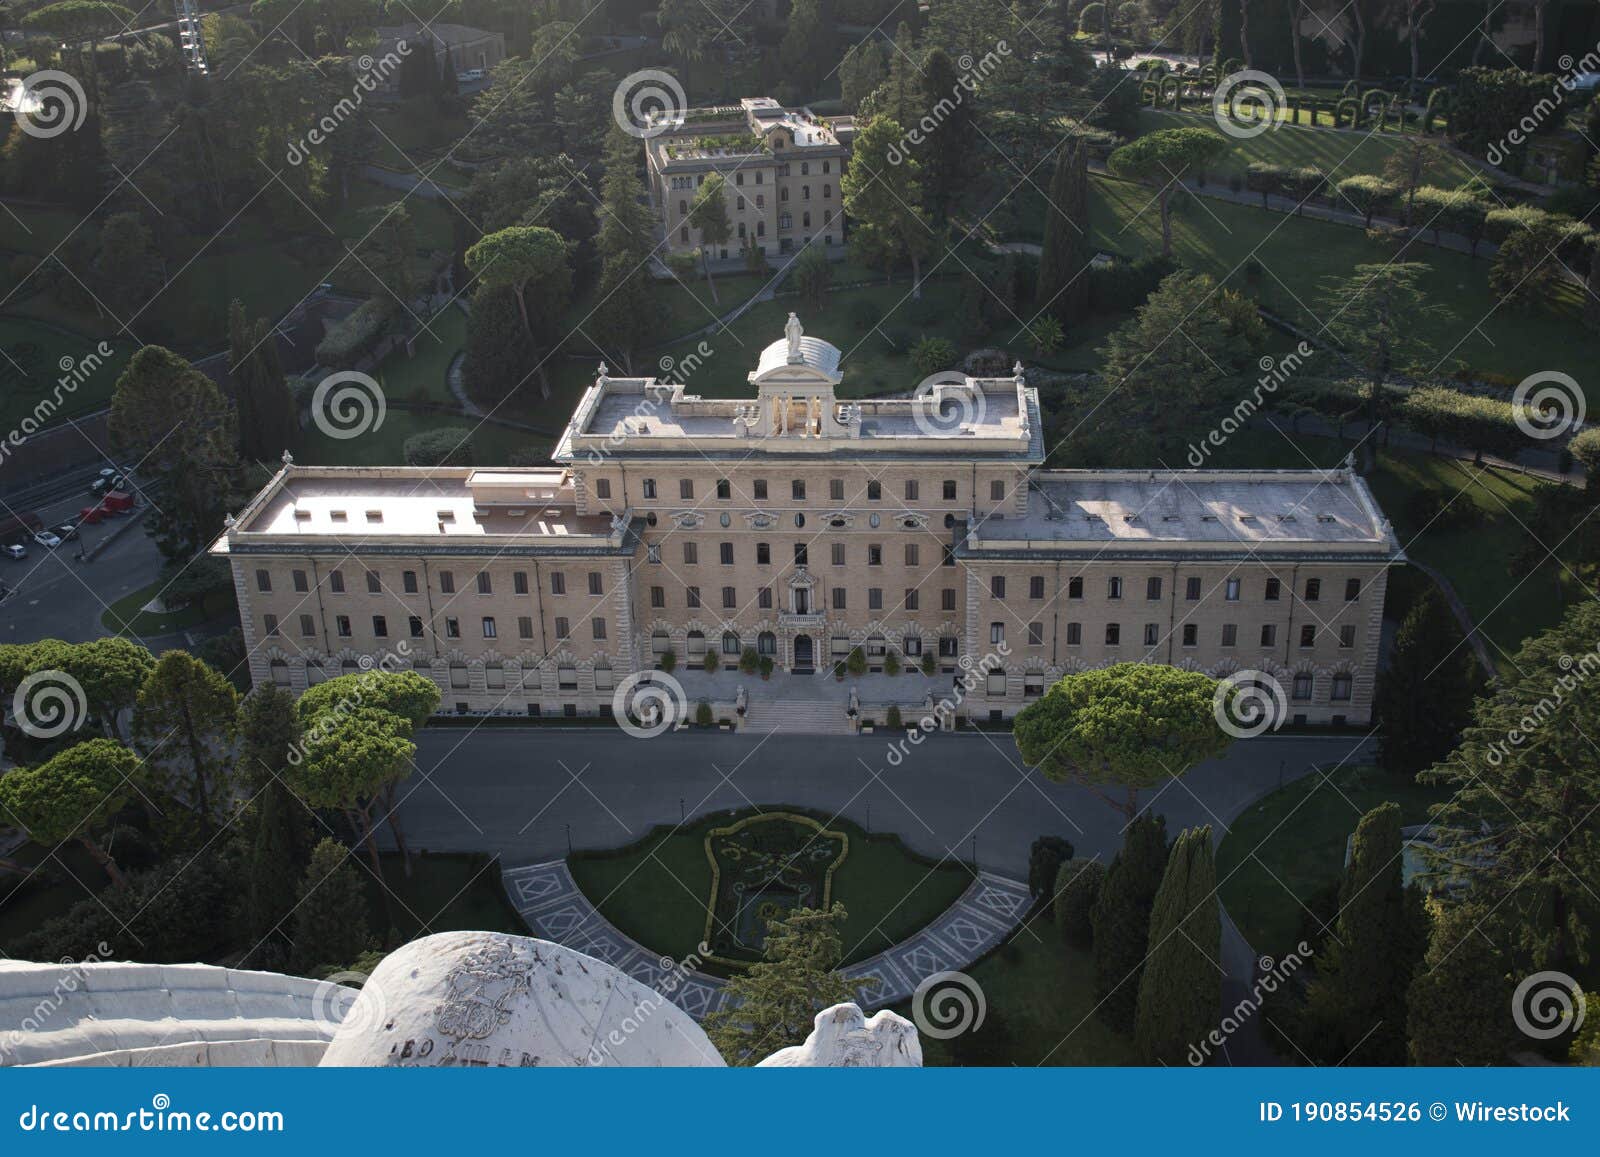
pixel 14 550
pixel 45 538
pixel 469 76
pixel 90 515
pixel 117 502
pixel 67 531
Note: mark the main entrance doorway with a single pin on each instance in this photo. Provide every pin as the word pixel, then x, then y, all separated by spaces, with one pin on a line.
pixel 802 653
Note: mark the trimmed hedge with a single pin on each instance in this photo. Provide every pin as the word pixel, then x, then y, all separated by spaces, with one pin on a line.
pixel 349 339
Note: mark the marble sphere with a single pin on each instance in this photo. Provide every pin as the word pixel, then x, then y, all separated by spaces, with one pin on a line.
pixel 489 999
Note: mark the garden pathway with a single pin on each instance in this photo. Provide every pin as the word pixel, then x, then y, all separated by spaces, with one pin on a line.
pixel 547 897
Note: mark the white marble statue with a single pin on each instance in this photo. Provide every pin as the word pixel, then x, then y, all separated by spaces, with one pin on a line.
pixel 842 1038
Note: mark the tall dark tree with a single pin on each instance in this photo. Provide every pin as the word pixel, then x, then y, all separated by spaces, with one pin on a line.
pixel 267 425
pixel 184 722
pixel 949 146
pixel 1424 696
pixel 1458 1008
pixel 1064 264
pixel 1121 919
pixel 280 829
pixel 1181 988
pixel 1045 858
pixel 330 923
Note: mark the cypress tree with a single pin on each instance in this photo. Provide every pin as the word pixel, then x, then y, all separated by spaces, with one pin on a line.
pixel 1424 697
pixel 1078 885
pixel 1063 286
pixel 1356 1007
pixel 266 410
pixel 1181 989
pixel 330 924
pixel 1121 918
pixel 1457 1008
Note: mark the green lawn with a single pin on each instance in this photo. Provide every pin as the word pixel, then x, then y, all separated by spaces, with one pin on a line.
pixel 1039 997
pixel 385 445
pixel 40 231
pixel 1280 853
pixel 1298 255
pixel 125 618
pixel 31 371
pixel 1476 558
pixel 424 376
pixel 1346 154
pixel 656 890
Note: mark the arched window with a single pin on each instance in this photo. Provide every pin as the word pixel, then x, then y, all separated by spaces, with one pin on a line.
pixel 683 234
pixel 280 672
pixel 827 192
pixel 660 641
pixel 805 219
pixel 766 643
pixel 761 228
pixel 730 643
pixel 783 193
pixel 805 192
pixel 683 207
pixel 741 230
pixel 697 643
pixel 741 202
pixel 826 167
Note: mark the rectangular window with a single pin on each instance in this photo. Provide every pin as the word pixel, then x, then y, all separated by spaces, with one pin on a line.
pixel 300 583
pixel 764 598
pixel 763 554
pixel 685 488
pixel 374 584
pixel 1152 634
pixel 949 490
pixel 800 554
pixel 648 486
pixel 838 599
pixel 380 626
pixel 911 598
pixel 1191 589
pixel 874 554
pixel 336 581
pixel 1035 634
pixel 598 626
pixel 724 489
pixel 415 625
pixel 1075 588
pixel 558 583
pixel 874 491
pixel 836 489
pixel 602 488
pixel 997 586
pixel 836 553
pixel 1074 634
pixel 995 684
pixel 596 583
pixel 1113 634
pixel 408 580
pixel 691 553
pixel 874 598
pixel 447 582
pixel 1313 590
pixel 911 489
pixel 563 628
pixel 1230 634
pixel 1347 635
pixel 1152 588
pixel 263 581
pixel 797 489
pixel 1036 587
pixel 342 622
pixel 1352 590
pixel 1114 587
pixel 1231 590
pixel 519 582
pixel 692 596
pixel 1308 635
pixel 912 554
pixel 308 626
pixel 1273 588
pixel 524 626
pixel 488 627
pixel 997 490
pixel 1302 688
pixel 1191 634
pixel 270 622
pixel 730 598
pixel 725 553
pixel 658 597
pixel 759 488
pixel 997 633
pixel 1341 688
pixel 947 599
pixel 452 628
pixel 1269 635
pixel 485 587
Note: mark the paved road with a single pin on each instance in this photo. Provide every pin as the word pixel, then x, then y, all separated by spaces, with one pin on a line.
pixel 55 596
pixel 514 792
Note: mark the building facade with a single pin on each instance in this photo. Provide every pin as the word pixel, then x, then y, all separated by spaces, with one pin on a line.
pixel 804 527
pixel 781 166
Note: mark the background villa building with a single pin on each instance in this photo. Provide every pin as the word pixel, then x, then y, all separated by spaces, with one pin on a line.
pixel 805 526
pixel 781 165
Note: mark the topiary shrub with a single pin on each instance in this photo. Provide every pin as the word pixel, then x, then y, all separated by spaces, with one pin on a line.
pixel 1077 888
pixel 766 666
pixel 439 448
pixel 1045 858
pixel 349 339
pixel 891 718
pixel 1347 113
pixel 749 661
pixel 929 665
pixel 711 663
pixel 668 661
pixel 932 354
pixel 891 664
pixel 702 714
pixel 856 664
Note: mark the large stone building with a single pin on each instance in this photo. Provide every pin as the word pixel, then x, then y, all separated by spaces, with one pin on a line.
pixel 806 526
pixel 781 166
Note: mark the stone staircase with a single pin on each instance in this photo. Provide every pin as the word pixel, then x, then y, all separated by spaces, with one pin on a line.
pixel 797 716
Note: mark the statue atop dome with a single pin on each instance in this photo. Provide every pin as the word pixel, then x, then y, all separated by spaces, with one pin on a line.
pixel 793 331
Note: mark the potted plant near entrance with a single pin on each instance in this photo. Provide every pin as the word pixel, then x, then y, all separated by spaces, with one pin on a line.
pixel 891 664
pixel 766 666
pixel 928 664
pixel 857 663
pixel 749 661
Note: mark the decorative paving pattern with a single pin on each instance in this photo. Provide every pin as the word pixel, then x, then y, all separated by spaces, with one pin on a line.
pixel 989 910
